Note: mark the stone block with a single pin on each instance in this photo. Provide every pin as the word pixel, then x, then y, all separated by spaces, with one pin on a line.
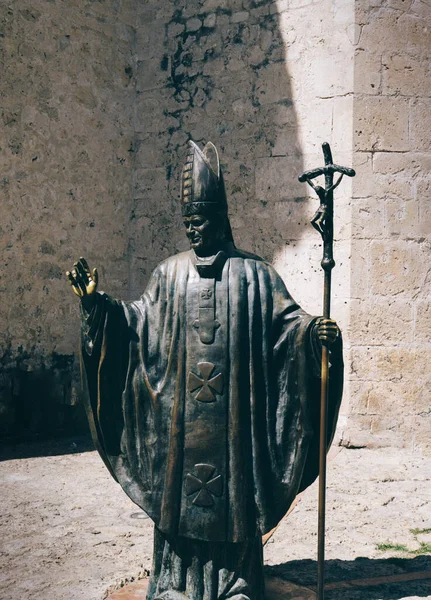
pixel 385 30
pixel 420 114
pixel 272 84
pixel 420 8
pixel 360 270
pixel 408 164
pixel 277 179
pixel 359 423
pixel 342 130
pixel 367 218
pixel 396 268
pixel 332 76
pixel 279 7
pixel 193 24
pixel 151 152
pixel 364 183
pixel 402 217
pixel 284 141
pixel 386 364
pixel 381 123
pixel 423 195
pixel 419 435
pixel 359 393
pixel 240 17
pixel 375 186
pixel 368 72
pixel 359 436
pixel 405 75
pixel 210 20
pixel 314 126
pixel 380 321
pixel 414 34
pixel 388 423
pixel 423 322
pixel 395 397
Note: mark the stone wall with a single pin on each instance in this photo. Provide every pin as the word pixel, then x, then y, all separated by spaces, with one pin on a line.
pixel 105 96
pixel 66 104
pixel 391 311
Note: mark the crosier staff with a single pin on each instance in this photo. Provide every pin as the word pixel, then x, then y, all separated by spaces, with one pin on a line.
pixel 323 222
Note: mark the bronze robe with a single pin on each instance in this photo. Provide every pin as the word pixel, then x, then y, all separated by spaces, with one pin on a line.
pixel 203 396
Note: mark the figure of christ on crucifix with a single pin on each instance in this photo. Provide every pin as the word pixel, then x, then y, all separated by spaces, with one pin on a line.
pixel 203 397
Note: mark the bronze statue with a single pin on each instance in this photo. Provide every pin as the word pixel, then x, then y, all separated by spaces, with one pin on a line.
pixel 203 397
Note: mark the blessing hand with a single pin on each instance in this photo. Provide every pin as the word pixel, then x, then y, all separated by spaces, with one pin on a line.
pixel 327 331
pixel 84 282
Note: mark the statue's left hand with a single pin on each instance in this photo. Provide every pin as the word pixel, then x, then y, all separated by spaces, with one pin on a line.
pixel 327 331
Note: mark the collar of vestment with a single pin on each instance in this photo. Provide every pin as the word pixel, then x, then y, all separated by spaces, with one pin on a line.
pixel 210 267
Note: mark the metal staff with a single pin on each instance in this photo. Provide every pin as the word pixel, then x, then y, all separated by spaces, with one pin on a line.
pixel 323 221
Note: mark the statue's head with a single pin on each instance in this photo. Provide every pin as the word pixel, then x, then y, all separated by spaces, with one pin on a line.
pixel 203 200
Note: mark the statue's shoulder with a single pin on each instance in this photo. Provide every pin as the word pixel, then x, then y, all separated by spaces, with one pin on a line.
pixel 260 262
pixel 238 253
pixel 173 262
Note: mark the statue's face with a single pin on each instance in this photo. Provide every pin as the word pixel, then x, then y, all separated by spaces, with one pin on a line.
pixel 203 233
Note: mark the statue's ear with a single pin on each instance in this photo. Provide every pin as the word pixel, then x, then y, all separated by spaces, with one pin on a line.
pixel 211 154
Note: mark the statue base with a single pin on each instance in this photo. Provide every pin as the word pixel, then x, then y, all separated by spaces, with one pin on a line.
pixel 276 589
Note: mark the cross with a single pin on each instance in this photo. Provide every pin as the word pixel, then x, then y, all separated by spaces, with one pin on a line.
pixel 324 218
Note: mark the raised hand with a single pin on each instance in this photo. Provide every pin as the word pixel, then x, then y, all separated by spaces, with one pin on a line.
pixel 327 331
pixel 84 282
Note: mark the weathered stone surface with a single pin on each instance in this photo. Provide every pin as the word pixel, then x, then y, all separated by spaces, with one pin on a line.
pixel 420 124
pixel 390 335
pixel 423 195
pixel 368 72
pixel 105 98
pixel 381 322
pixel 423 322
pixel 407 163
pixel 367 218
pixel 397 268
pixel 66 108
pixel 406 75
pixel 381 123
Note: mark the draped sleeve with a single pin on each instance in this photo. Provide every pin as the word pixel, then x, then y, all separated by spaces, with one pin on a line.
pixel 131 353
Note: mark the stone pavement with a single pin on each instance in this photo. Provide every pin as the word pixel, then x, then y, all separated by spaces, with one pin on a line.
pixel 68 532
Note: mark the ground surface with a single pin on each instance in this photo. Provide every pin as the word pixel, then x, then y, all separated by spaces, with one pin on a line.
pixel 68 532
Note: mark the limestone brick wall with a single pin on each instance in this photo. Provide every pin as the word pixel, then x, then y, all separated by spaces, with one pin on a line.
pixel 391 315
pixel 66 151
pixel 98 101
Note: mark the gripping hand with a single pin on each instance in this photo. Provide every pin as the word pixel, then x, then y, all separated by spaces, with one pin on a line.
pixel 327 331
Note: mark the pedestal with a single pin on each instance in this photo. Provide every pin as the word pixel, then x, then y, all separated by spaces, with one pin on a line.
pixel 276 589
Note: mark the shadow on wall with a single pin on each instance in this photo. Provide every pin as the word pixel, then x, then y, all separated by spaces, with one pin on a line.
pixel 214 72
pixel 66 113
pixel 205 70
pixel 39 399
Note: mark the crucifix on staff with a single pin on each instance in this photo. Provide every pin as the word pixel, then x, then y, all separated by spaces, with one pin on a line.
pixel 323 222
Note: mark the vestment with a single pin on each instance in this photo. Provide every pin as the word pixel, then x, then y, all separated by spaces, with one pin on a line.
pixel 203 396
